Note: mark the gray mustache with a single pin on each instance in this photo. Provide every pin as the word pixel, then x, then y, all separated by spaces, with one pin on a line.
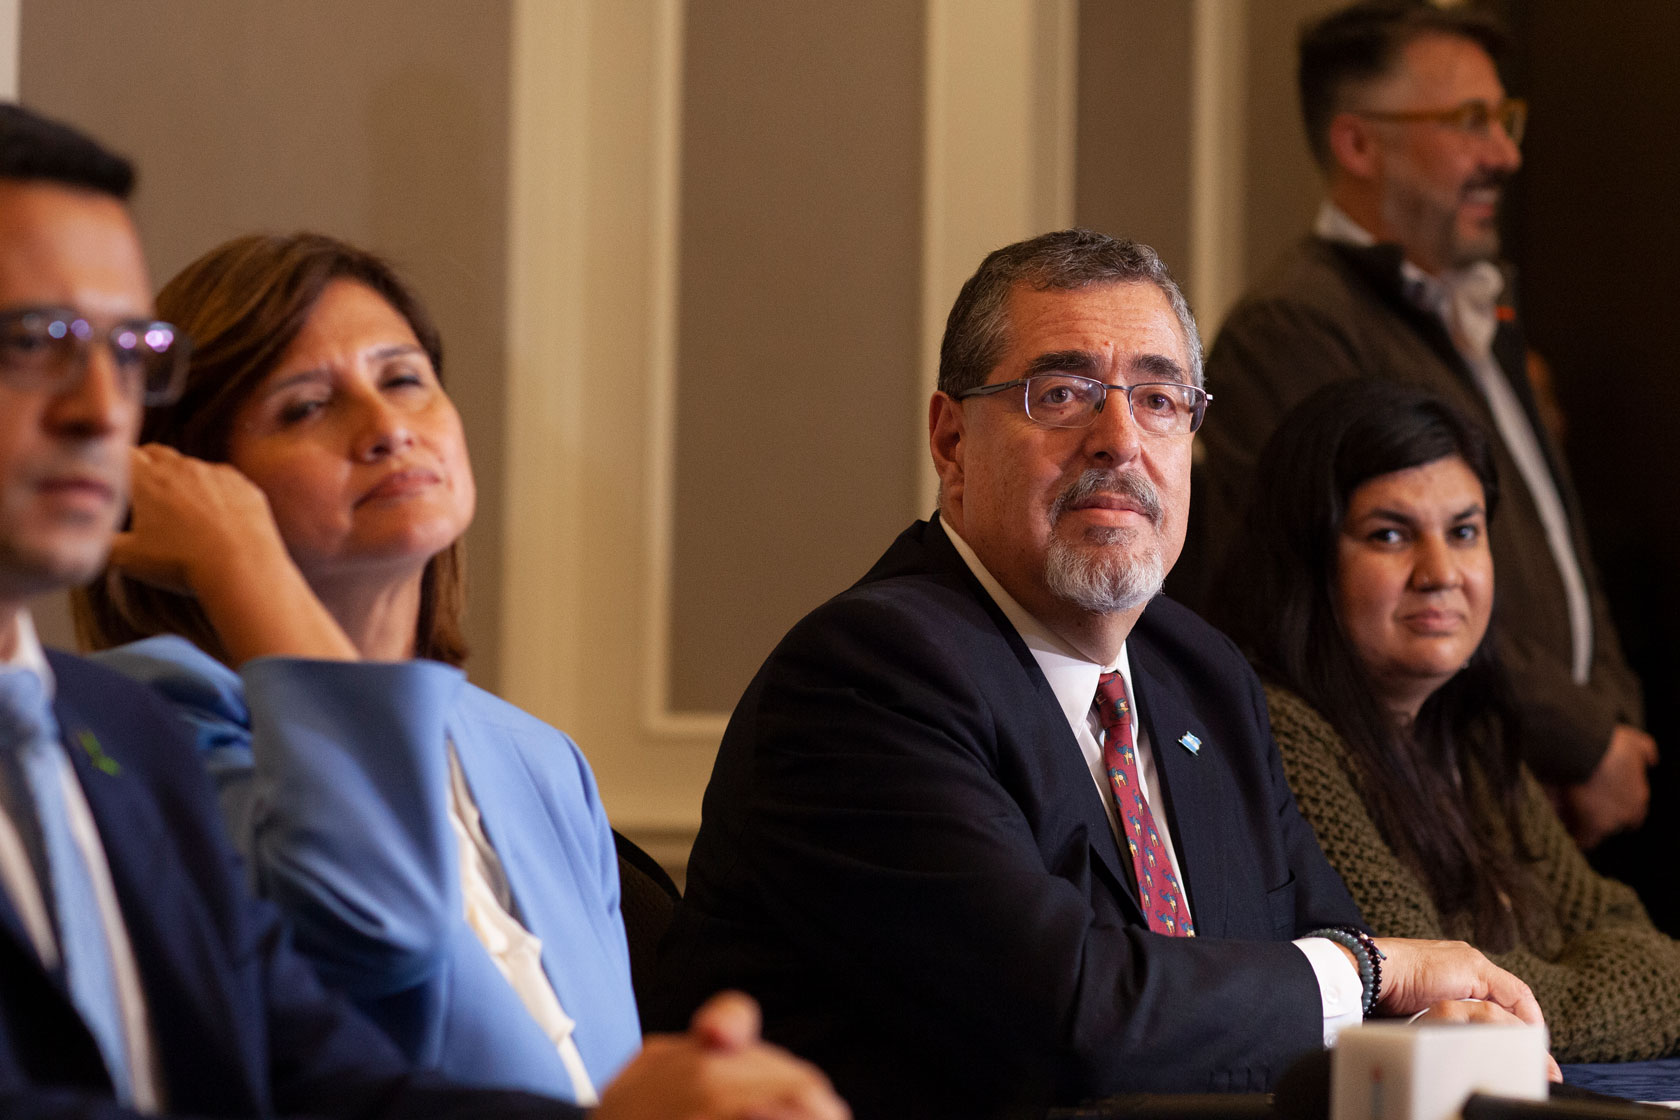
pixel 1097 480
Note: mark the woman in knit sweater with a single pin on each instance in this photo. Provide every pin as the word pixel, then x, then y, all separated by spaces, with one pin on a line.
pixel 1362 588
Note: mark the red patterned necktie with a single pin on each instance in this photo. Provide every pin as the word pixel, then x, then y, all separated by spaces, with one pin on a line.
pixel 1158 889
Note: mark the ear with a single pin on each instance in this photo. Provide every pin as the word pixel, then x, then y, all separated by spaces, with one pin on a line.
pixel 1354 148
pixel 947 435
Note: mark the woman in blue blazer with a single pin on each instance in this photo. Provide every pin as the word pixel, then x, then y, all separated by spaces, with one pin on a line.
pixel 292 582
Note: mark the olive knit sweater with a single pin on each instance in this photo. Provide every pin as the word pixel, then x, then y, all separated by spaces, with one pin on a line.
pixel 1607 980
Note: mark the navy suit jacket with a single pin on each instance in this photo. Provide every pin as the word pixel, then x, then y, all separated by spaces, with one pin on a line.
pixel 242 1026
pixel 904 858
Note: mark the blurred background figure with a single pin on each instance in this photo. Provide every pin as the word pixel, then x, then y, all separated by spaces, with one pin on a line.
pixel 1401 280
pixel 1361 581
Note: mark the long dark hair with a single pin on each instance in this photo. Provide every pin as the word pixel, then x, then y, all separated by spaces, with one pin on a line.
pixel 242 304
pixel 1276 597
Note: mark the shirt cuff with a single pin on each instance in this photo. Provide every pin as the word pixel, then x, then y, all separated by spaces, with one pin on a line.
pixel 1339 989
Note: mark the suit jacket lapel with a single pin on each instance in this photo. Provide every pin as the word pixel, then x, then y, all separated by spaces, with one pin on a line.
pixel 1188 780
pixel 11 926
pixel 1061 756
pixel 181 962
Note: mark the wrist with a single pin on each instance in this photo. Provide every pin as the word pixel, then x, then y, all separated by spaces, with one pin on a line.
pixel 1367 958
pixel 261 606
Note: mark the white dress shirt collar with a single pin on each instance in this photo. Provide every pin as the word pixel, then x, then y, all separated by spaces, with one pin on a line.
pixel 1072 676
pixel 29 654
pixel 1465 299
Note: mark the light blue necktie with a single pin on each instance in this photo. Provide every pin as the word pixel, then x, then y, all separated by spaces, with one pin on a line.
pixel 35 772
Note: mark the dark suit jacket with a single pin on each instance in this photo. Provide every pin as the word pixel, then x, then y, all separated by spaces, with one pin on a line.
pixel 904 858
pixel 1330 312
pixel 242 1026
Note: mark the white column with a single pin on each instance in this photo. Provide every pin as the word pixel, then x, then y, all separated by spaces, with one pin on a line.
pixel 10 15
pixel 1219 70
pixel 1000 124
pixel 596 89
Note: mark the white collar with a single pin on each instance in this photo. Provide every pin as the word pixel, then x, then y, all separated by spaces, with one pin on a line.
pixel 29 654
pixel 1466 298
pixel 1072 676
pixel 1333 224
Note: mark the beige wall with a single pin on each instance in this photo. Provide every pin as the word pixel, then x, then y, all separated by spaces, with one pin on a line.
pixel 797 338
pixel 1284 185
pixel 1133 153
pixel 380 121
pixel 9 18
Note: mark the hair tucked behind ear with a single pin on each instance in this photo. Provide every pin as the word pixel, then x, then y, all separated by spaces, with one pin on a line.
pixel 242 304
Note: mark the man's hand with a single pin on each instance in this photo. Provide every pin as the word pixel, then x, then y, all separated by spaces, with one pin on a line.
pixel 1480 1011
pixel 1423 974
pixel 719 1070
pixel 1616 795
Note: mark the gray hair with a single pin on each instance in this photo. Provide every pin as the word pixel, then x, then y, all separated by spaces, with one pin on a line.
pixel 977 330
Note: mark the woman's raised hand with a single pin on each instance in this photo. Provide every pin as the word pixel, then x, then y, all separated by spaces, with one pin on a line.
pixel 205 530
pixel 190 520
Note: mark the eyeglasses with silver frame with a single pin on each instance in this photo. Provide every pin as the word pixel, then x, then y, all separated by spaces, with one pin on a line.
pixel 48 348
pixel 1067 400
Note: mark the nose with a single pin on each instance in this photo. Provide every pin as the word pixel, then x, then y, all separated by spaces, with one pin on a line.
pixel 384 430
pixel 1434 568
pixel 1506 153
pixel 1113 436
pixel 101 401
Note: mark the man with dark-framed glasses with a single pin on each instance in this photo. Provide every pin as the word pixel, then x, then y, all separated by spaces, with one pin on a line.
pixel 1401 280
pixel 1000 827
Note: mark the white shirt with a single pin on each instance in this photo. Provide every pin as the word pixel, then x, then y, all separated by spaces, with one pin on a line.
pixel 17 877
pixel 1466 302
pixel 1073 680
pixel 516 951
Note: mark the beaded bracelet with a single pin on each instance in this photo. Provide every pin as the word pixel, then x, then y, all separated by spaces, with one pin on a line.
pixel 1367 958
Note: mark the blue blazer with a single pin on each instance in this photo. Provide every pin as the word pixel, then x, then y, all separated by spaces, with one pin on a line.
pixel 241 1024
pixel 903 857
pixel 334 781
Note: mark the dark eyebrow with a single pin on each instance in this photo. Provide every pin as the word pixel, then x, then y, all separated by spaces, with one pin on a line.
pixel 1081 362
pixel 297 377
pixel 1159 367
pixel 1153 367
pixel 1380 514
pixel 396 350
pixel 1465 514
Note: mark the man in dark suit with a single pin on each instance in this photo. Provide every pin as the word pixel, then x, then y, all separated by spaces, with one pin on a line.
pixel 136 975
pixel 968 816
pixel 1400 280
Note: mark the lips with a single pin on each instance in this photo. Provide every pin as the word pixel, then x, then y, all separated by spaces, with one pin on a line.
pixel 1434 621
pixel 1107 501
pixel 1484 193
pixel 78 487
pixel 401 483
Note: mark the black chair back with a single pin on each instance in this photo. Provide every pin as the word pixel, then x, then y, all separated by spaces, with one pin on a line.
pixel 648 900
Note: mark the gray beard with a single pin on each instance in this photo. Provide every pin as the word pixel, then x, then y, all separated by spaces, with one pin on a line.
pixel 1100 581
